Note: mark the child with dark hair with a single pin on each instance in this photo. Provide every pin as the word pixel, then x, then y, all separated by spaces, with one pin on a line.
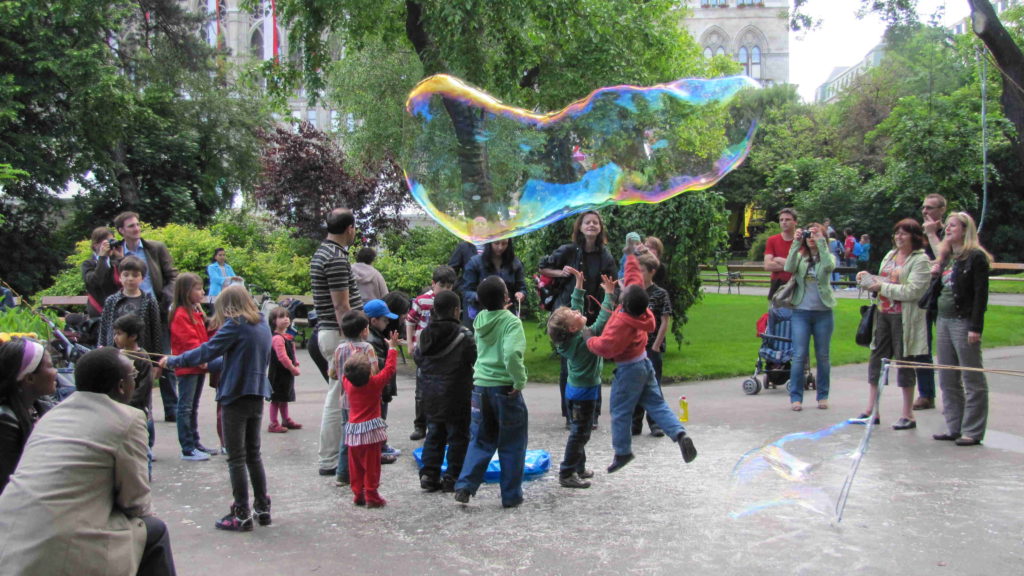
pixel 366 431
pixel 416 321
pixel 624 340
pixel 131 299
pixel 661 307
pixel 568 330
pixel 444 364
pixel 380 318
pixel 355 327
pixel 282 372
pixel 127 331
pixel 499 416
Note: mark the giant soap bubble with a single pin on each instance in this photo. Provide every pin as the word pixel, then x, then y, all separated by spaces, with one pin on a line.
pixel 486 171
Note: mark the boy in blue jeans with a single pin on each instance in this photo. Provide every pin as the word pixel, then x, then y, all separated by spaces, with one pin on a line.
pixel 499 417
pixel 624 340
pixel 569 332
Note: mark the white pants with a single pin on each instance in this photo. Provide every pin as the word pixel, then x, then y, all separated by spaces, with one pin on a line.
pixel 331 422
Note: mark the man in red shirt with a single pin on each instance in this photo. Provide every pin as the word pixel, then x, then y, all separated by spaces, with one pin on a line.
pixel 777 250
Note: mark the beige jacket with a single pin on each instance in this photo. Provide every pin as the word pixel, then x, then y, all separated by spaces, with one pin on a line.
pixel 914 278
pixel 75 502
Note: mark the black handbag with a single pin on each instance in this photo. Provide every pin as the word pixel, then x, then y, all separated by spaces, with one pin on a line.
pixel 866 328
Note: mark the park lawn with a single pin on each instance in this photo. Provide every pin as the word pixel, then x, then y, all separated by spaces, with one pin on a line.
pixel 720 340
pixel 1006 287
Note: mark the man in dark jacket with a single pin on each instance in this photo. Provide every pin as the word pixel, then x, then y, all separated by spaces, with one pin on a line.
pixel 445 354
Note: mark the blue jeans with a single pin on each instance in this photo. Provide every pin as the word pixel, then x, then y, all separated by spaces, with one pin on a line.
pixel 634 384
pixel 499 422
pixel 806 323
pixel 342 472
pixel 190 388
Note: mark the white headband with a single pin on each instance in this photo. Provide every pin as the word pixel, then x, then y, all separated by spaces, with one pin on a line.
pixel 31 358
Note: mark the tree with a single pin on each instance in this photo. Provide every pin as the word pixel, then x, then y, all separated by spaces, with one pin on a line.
pixel 305 176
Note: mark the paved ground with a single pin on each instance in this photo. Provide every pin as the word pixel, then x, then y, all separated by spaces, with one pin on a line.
pixel 917 506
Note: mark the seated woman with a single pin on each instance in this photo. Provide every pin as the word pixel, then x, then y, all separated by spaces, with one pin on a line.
pixel 901 332
pixel 79 502
pixel 26 376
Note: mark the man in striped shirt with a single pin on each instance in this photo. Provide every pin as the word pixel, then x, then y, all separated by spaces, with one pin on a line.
pixel 335 291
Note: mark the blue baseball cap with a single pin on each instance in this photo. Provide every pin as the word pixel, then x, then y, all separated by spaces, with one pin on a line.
pixel 378 308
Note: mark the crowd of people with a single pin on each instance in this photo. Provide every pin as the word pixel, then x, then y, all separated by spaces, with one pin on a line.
pixel 932 292
pixel 468 343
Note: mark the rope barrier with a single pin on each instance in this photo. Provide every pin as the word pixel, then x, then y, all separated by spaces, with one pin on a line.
pixel 910 364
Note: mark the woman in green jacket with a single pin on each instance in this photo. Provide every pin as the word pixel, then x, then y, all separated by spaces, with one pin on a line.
pixel 901 331
pixel 811 264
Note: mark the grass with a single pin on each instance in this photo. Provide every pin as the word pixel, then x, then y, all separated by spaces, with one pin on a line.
pixel 720 340
pixel 1006 287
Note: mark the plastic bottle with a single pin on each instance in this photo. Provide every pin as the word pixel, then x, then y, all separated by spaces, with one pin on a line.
pixel 684 409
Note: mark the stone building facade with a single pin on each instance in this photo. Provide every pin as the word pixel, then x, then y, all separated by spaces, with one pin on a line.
pixel 755 33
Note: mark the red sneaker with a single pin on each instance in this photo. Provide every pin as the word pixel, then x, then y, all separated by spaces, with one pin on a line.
pixel 292 424
pixel 276 429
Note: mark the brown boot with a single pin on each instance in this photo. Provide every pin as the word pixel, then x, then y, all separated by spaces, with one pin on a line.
pixel 923 403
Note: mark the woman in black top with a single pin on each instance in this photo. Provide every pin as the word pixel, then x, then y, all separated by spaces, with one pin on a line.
pixel 26 375
pixel 588 252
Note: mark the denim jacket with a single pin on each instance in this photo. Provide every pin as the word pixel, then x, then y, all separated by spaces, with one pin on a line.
pixel 246 351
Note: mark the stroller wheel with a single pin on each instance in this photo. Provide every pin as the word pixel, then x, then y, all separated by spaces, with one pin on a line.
pixel 751 386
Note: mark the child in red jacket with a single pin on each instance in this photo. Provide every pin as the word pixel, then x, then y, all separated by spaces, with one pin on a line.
pixel 188 331
pixel 624 340
pixel 366 431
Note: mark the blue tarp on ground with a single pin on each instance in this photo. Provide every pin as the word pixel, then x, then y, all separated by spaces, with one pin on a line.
pixel 537 463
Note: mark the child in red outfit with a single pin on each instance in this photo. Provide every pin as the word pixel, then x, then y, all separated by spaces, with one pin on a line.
pixel 624 340
pixel 366 431
pixel 283 370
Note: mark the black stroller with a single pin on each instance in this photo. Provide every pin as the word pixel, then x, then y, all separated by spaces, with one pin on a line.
pixel 775 356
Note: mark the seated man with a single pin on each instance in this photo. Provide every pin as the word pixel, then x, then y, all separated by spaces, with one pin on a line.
pixel 79 501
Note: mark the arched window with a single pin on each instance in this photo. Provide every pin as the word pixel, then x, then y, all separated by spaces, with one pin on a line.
pixel 708 53
pixel 743 58
pixel 755 63
pixel 720 51
pixel 256 44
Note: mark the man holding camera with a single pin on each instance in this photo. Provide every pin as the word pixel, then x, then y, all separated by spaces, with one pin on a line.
pixel 159 281
pixel 777 249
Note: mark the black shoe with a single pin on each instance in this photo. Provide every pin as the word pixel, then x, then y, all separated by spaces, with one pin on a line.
pixel 202 448
pixel 946 437
pixel 238 520
pixel 586 474
pixel 514 504
pixel 686 447
pixel 965 441
pixel 573 481
pixel 904 424
pixel 863 418
pixel 418 434
pixel 447 484
pixel 619 461
pixel 328 471
pixel 462 496
pixel 636 431
pixel 429 484
pixel 657 432
pixel 262 514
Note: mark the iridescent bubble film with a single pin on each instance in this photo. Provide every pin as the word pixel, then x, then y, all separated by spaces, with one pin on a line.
pixel 804 471
pixel 485 170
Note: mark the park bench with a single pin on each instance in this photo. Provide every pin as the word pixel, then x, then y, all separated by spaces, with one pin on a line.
pixel 1002 268
pixel 754 274
pixel 63 302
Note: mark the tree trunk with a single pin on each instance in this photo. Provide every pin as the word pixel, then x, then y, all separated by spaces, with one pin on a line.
pixel 477 192
pixel 1010 61
pixel 125 181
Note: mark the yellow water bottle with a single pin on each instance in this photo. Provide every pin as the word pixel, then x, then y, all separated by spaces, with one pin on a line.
pixel 684 409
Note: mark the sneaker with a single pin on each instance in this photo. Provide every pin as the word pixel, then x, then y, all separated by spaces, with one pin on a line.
pixel 619 461
pixel 202 448
pixel 224 450
pixel 923 403
pixel 195 456
pixel 418 434
pixel 657 432
pixel 447 484
pixel 328 471
pixel 238 520
pixel 686 447
pixel 276 429
pixel 291 424
pixel 586 474
pixel 262 514
pixel 462 496
pixel 342 481
pixel 573 481
pixel 904 424
pixel 386 449
pixel 359 501
pixel 513 504
pixel 388 458
pixel 429 484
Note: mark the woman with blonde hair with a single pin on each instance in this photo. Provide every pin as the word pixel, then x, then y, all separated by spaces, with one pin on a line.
pixel 243 339
pixel 959 295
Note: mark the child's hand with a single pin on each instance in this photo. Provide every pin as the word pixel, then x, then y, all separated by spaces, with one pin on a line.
pixel 393 340
pixel 156 371
pixel 295 371
pixel 608 284
pixel 570 271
